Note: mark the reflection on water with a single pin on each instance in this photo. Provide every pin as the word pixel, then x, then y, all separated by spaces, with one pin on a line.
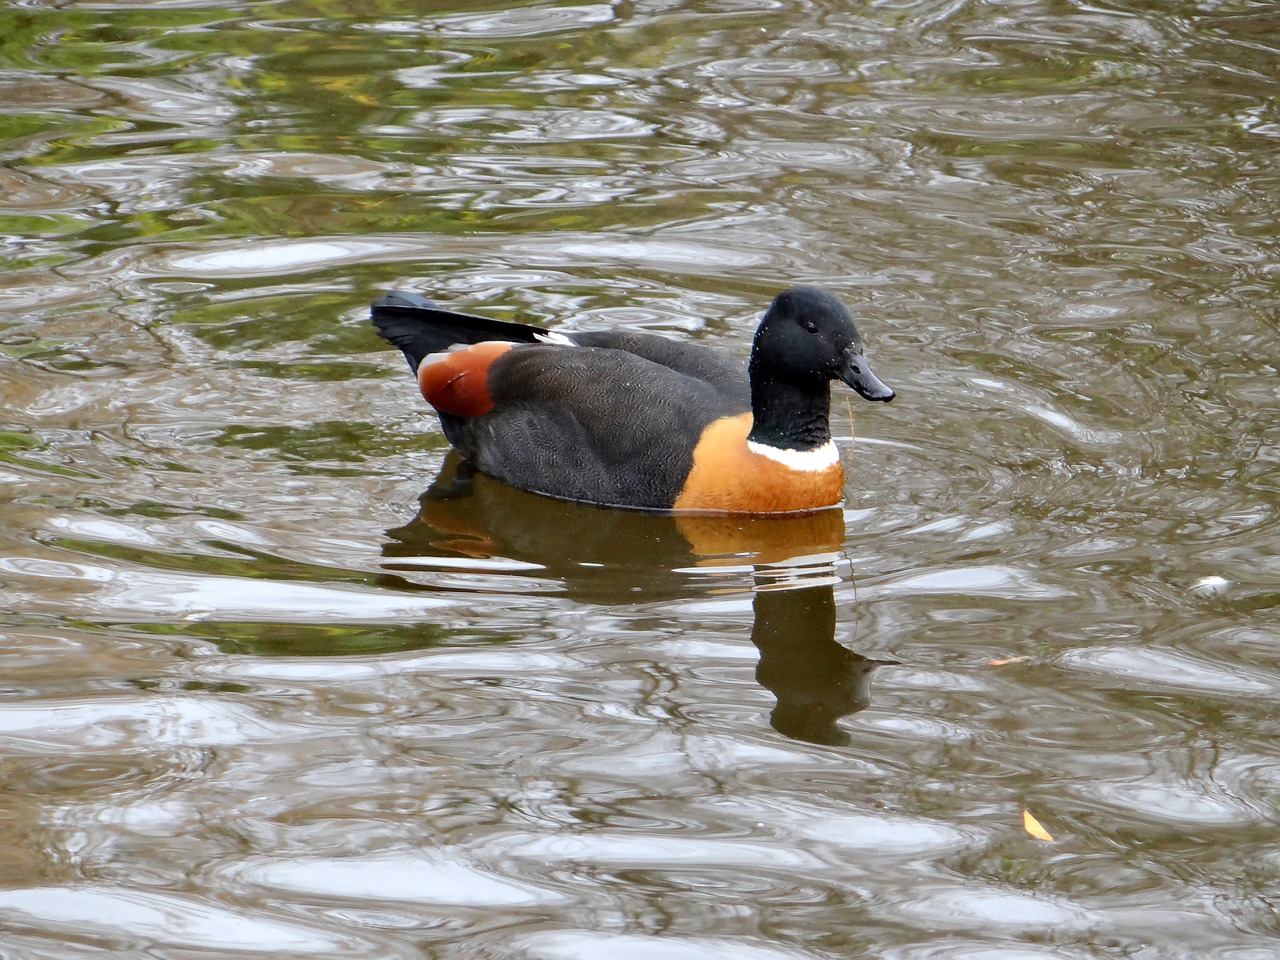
pixel 237 717
pixel 595 553
pixel 610 556
pixel 816 680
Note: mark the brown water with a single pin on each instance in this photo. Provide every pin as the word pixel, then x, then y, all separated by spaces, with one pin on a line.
pixel 256 700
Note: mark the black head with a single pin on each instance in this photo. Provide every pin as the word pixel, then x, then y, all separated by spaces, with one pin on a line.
pixel 808 336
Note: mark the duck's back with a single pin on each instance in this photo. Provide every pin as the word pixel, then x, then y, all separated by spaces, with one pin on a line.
pixel 420 328
pixel 727 377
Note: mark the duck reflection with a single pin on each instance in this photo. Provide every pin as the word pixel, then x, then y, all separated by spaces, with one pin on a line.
pixel 816 680
pixel 605 556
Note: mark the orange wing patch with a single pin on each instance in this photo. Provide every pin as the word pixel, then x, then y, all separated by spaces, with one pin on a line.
pixel 457 382
pixel 728 476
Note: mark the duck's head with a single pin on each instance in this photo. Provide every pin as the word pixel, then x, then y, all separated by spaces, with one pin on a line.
pixel 808 336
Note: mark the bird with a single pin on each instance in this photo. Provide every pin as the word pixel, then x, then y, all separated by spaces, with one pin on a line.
pixel 637 420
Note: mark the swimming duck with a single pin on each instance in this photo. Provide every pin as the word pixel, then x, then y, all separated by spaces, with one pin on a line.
pixel 637 420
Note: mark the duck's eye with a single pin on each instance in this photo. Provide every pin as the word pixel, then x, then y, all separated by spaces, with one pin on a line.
pixel 811 326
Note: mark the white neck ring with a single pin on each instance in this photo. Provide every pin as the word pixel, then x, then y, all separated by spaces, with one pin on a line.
pixel 810 461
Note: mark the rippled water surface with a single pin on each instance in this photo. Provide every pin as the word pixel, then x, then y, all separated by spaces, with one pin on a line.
pixel 256 698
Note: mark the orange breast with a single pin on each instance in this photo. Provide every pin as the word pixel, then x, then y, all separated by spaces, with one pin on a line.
pixel 728 475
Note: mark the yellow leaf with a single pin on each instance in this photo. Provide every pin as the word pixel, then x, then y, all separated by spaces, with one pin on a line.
pixel 1032 826
pixel 1001 663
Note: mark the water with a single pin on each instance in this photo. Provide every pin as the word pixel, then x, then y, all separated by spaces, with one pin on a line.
pixel 257 698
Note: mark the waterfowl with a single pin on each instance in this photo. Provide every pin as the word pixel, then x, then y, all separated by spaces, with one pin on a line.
pixel 636 420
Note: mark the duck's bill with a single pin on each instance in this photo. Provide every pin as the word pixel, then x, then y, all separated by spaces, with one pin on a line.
pixel 857 374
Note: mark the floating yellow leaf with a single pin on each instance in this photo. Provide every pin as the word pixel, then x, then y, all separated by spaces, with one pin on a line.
pixel 1032 826
pixel 1001 663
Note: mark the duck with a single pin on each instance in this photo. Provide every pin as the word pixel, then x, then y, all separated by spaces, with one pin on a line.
pixel 637 420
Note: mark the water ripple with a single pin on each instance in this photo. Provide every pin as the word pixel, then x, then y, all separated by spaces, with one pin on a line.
pixel 145 594
pixel 951 907
pixel 585 945
pixel 618 850
pixel 510 24
pixel 1175 803
pixel 879 834
pixel 135 917
pixel 1173 670
pixel 414 878
pixel 111 722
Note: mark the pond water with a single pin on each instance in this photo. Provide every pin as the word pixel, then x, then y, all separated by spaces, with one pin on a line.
pixel 259 698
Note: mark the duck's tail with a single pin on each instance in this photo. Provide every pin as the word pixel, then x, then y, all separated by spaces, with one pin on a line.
pixel 419 327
